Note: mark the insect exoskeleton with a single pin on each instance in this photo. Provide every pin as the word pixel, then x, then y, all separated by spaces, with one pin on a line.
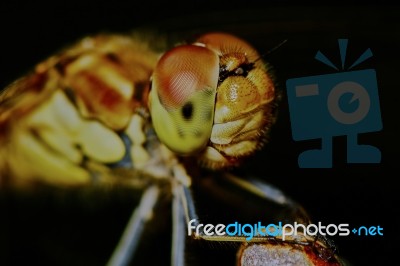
pixel 213 98
pixel 61 122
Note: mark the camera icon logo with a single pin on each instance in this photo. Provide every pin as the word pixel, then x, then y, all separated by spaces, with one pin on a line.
pixel 338 104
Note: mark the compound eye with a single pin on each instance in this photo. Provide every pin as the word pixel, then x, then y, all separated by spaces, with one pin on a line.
pixel 182 100
pixel 183 71
pixel 223 43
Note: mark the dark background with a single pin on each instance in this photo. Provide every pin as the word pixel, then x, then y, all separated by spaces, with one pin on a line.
pixel 80 227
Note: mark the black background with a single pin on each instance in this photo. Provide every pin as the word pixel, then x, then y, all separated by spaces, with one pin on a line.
pixel 80 228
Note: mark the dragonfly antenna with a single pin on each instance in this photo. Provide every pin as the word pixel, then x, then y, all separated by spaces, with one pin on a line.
pixel 272 50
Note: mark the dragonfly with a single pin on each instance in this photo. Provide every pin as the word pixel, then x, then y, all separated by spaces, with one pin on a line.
pixel 111 110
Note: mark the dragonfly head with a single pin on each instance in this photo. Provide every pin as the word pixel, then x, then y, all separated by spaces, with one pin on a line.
pixel 212 98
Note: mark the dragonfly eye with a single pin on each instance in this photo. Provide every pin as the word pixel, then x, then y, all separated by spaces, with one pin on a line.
pixel 182 99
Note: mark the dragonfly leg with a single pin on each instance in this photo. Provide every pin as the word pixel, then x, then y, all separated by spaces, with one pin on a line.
pixel 269 192
pixel 126 247
pixel 178 228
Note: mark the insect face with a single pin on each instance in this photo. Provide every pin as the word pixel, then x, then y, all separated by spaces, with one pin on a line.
pixel 214 98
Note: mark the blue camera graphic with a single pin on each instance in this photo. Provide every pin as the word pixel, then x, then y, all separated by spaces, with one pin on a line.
pixel 343 103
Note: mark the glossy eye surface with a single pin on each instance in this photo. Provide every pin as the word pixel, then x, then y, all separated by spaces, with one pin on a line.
pixel 213 97
pixel 183 96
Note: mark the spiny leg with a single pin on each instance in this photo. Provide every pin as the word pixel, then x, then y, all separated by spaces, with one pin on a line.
pixel 178 228
pixel 181 181
pixel 269 192
pixel 126 247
